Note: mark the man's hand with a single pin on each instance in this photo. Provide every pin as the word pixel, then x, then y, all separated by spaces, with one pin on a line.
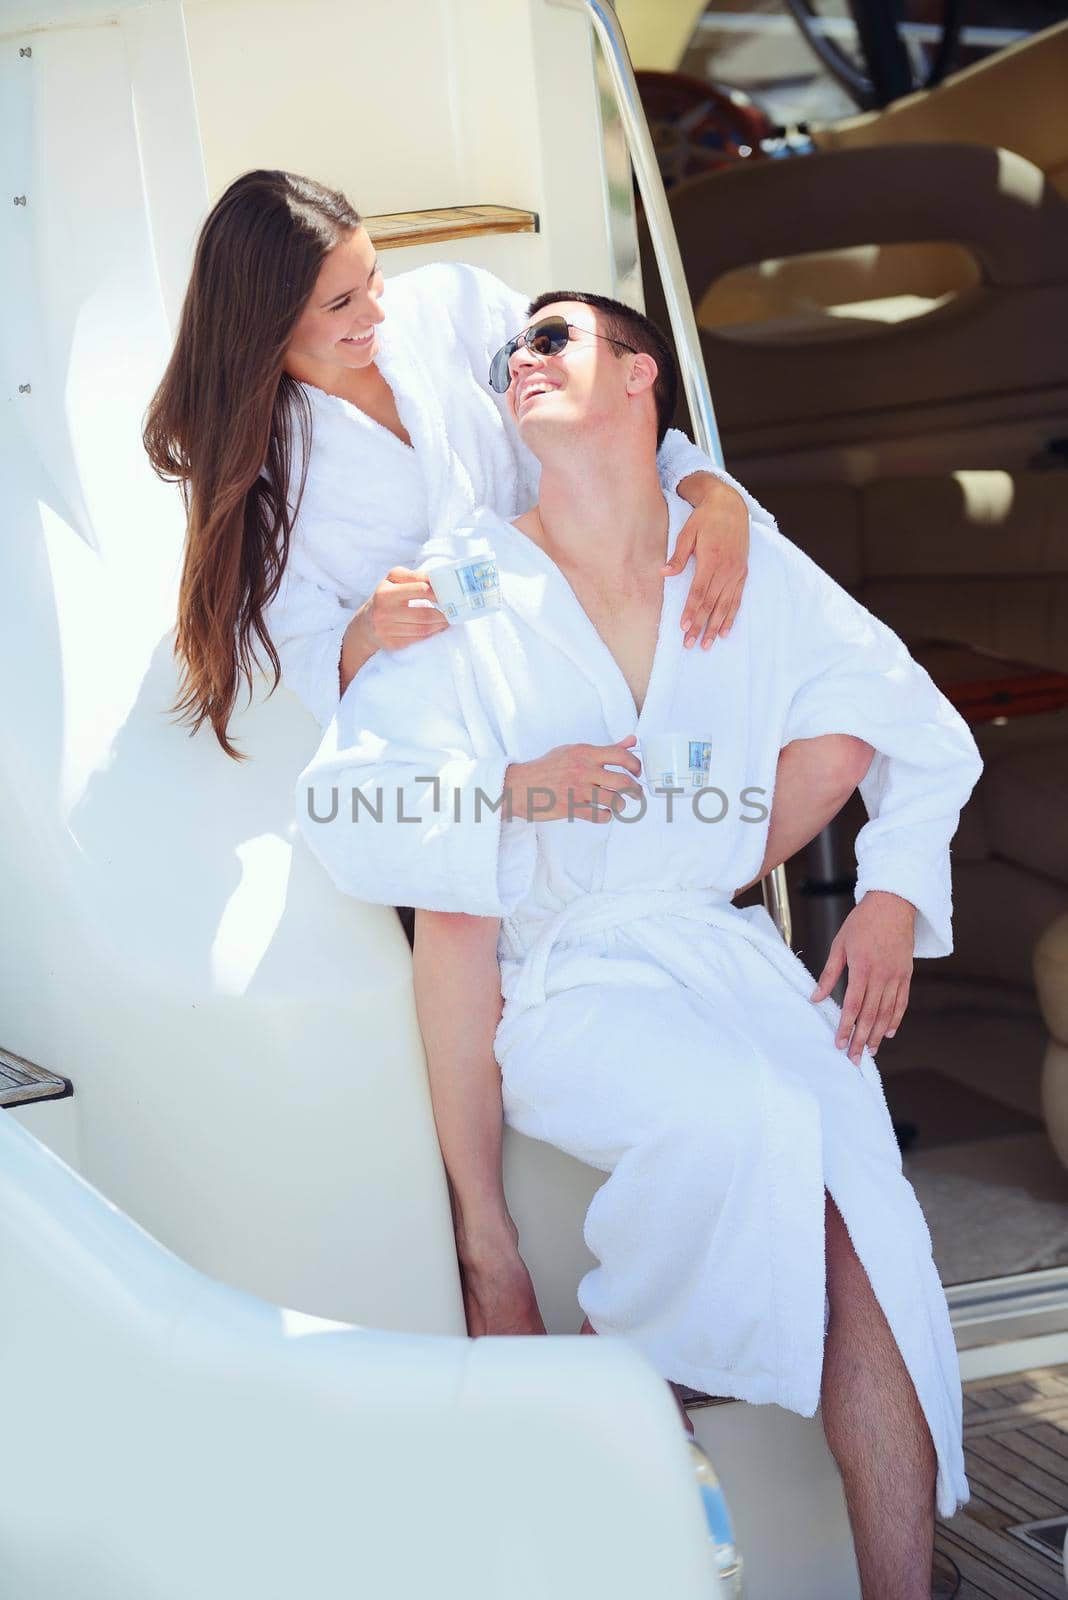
pixel 561 784
pixel 718 530
pixel 876 941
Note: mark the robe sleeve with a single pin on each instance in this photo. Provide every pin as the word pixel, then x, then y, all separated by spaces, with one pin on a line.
pixel 854 675
pixel 307 624
pixel 678 456
pixel 400 801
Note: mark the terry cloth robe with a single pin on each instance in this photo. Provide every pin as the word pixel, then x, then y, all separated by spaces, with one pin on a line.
pixel 651 1028
pixel 370 501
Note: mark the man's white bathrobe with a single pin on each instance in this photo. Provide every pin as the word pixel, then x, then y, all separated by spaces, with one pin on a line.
pixel 650 1028
pixel 370 501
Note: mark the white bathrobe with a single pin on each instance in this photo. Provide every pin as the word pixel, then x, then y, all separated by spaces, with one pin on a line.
pixel 370 502
pixel 650 1028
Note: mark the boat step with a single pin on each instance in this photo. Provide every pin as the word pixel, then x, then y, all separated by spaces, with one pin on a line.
pixel 22 1082
pixel 397 229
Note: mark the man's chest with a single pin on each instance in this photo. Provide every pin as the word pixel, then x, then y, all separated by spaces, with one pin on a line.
pixel 628 623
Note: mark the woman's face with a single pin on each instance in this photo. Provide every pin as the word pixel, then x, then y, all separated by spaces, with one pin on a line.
pixel 338 326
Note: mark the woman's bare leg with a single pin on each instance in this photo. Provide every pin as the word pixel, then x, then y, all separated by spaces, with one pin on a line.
pixel 458 1000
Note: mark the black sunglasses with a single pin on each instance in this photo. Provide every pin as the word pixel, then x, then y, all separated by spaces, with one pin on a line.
pixel 545 338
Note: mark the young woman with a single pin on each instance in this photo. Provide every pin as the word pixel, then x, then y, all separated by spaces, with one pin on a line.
pixel 323 424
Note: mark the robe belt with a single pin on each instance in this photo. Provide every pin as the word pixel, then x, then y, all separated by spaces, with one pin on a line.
pixel 598 913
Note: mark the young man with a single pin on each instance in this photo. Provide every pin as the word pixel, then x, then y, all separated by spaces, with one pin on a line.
pixel 755 1235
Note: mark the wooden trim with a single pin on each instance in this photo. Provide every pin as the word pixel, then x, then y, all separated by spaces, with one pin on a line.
pixel 398 229
pixel 21 1082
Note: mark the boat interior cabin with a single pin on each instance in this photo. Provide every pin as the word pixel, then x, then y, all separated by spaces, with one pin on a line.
pixel 210 1058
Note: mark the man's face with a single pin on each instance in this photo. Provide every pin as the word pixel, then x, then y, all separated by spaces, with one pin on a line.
pixel 585 386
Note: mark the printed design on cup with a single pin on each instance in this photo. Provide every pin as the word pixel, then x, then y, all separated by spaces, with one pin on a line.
pixel 466 588
pixel 675 761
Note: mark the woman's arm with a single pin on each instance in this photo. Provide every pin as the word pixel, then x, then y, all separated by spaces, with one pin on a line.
pixel 716 535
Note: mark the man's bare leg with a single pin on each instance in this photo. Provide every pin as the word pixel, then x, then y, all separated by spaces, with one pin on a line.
pixel 458 1000
pixel 876 1431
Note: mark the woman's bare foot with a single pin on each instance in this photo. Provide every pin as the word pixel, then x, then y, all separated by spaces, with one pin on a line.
pixel 587 1327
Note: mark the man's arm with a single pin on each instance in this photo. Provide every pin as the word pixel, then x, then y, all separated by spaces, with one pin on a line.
pixel 852 674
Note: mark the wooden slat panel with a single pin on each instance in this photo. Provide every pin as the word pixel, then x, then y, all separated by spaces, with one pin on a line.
pixel 1020 1440
pixel 982 1579
pixel 1010 1491
pixel 1019 1468
pixel 1016 1456
pixel 1054 1436
pixel 1006 1557
pixel 391 231
pixel 1049 1410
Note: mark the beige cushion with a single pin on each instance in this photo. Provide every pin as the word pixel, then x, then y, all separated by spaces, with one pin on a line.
pixel 1023 618
pixel 999 911
pixel 823 519
pixel 965 524
pixel 1051 977
pixel 1025 798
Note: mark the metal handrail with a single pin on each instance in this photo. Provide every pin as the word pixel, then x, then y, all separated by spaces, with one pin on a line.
pixel 616 56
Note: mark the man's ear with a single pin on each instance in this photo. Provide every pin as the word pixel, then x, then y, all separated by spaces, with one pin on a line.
pixel 643 373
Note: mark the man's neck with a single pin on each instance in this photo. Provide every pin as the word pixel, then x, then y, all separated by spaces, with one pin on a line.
pixel 601 513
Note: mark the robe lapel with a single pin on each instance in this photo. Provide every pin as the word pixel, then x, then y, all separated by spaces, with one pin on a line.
pixel 450 493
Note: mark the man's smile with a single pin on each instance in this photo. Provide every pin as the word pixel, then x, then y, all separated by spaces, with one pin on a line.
pixel 527 388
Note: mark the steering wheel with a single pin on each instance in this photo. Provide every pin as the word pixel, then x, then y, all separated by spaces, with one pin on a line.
pixel 886 73
pixel 696 128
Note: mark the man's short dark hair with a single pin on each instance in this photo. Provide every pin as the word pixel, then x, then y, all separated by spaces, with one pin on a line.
pixel 632 327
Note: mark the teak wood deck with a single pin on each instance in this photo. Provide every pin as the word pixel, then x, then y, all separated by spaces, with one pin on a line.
pixel 1016 1456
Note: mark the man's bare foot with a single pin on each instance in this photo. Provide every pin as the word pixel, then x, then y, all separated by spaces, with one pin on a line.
pixel 587 1327
pixel 499 1297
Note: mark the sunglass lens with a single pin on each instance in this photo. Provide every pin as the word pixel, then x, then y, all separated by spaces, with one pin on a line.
pixel 548 338
pixel 499 376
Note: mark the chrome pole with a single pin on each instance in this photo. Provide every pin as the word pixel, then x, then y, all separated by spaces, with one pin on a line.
pixel 661 228
pixel 616 56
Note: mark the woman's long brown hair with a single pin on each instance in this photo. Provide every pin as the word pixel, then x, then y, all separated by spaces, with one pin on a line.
pixel 225 410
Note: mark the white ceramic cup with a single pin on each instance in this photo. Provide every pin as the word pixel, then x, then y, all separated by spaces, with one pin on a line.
pixel 467 588
pixel 675 761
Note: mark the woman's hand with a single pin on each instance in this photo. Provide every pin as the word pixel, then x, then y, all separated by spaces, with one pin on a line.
pixel 876 941
pixel 388 622
pixel 718 531
pixel 561 784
